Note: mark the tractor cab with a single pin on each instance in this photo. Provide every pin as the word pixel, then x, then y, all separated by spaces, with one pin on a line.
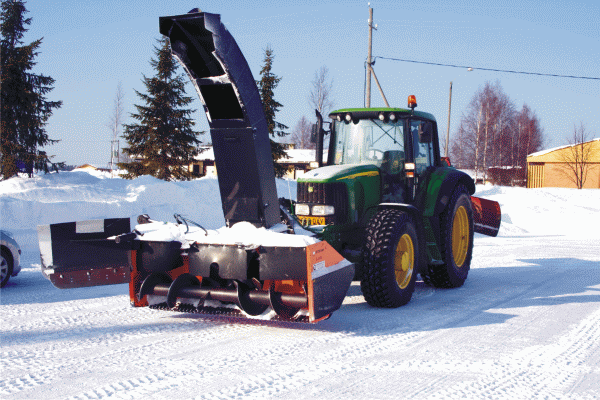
pixel 401 143
pixel 376 156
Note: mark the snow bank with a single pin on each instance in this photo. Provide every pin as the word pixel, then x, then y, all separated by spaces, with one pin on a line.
pixel 75 196
pixel 546 211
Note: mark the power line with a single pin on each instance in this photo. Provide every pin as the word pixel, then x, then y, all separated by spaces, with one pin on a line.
pixel 487 69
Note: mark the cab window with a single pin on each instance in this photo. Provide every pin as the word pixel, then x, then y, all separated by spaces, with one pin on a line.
pixel 423 152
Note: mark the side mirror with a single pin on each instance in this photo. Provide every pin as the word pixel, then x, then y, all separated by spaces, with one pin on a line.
pixel 425 132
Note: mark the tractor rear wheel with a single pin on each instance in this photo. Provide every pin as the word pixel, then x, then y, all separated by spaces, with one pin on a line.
pixel 390 259
pixel 456 243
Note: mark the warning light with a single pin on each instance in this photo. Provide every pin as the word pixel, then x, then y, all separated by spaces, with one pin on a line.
pixel 412 101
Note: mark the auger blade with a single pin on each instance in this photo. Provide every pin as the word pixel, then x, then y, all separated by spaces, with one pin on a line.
pixel 305 284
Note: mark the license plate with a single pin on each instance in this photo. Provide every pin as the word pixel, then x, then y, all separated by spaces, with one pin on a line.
pixel 311 220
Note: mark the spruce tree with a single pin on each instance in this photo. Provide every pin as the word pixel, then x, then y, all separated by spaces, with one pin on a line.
pixel 24 108
pixel 163 138
pixel 266 87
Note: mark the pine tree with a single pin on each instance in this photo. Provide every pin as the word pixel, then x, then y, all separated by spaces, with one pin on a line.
pixel 266 87
pixel 25 110
pixel 163 138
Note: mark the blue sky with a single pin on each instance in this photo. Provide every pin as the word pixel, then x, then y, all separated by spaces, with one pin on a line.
pixel 89 47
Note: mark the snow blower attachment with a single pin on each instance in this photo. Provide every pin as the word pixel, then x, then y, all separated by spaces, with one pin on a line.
pixel 182 267
pixel 298 279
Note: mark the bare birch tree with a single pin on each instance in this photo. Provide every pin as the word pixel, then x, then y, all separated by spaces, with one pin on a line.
pixel 577 156
pixel 493 134
pixel 529 135
pixel 301 134
pixel 321 95
pixel 114 124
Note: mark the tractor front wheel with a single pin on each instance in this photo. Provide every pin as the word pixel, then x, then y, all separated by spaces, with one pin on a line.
pixel 456 243
pixel 390 259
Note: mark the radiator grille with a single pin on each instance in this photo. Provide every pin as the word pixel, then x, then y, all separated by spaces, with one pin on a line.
pixel 335 194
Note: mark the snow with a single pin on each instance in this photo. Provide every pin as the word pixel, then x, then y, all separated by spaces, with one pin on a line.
pixel 241 234
pixel 526 324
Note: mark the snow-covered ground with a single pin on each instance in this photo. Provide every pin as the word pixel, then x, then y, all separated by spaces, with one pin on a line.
pixel 526 324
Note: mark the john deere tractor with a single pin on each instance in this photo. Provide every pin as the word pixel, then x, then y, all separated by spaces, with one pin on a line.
pixel 387 201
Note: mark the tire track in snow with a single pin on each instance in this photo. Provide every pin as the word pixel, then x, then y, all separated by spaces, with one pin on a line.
pixel 545 371
pixel 301 373
pixel 346 348
pixel 153 340
pixel 242 360
pixel 107 351
pixel 227 364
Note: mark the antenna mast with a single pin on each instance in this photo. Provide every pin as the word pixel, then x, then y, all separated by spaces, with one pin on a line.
pixel 368 89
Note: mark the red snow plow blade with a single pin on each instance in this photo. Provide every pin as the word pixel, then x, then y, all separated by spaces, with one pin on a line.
pixel 302 284
pixel 486 216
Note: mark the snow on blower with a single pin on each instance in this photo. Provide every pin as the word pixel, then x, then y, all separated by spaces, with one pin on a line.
pixel 384 208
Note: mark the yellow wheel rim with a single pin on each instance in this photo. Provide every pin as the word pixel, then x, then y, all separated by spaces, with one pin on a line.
pixel 460 236
pixel 404 261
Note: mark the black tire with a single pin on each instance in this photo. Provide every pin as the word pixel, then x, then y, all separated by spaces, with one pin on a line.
pixel 456 243
pixel 6 267
pixel 390 259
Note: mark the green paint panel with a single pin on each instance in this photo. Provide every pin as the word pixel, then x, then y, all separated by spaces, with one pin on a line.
pixel 338 173
pixel 363 183
pixel 436 179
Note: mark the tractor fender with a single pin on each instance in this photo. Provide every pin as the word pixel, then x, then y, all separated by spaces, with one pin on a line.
pixel 432 199
pixel 417 217
pixel 441 184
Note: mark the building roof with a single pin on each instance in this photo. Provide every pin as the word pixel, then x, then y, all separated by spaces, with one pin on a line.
pixel 555 154
pixel 301 156
pixel 87 166
pixel 296 156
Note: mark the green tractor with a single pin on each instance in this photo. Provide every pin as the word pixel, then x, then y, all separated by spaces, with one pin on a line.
pixel 388 202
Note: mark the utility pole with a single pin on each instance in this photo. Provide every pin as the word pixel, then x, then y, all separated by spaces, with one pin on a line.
pixel 448 129
pixel 368 89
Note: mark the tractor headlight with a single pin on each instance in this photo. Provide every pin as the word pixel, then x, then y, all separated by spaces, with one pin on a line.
pixel 302 209
pixel 323 210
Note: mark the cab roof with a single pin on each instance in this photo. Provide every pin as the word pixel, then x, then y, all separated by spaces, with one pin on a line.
pixel 373 113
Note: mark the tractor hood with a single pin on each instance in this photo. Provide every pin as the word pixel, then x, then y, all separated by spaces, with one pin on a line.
pixel 339 172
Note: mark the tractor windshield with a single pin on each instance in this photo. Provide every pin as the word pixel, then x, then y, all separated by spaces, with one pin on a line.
pixel 370 141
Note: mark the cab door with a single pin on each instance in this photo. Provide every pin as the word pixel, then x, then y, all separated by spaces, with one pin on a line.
pixel 423 145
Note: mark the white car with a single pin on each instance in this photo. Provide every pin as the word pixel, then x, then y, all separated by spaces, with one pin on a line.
pixel 10 255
